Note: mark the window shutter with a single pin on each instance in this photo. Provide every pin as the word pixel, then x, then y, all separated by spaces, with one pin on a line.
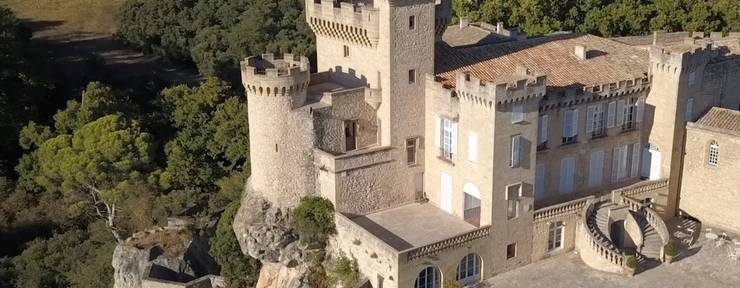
pixel 620 112
pixel 590 119
pixel 615 164
pixel 635 169
pixel 689 109
pixel 544 120
pixel 473 147
pixel 574 129
pixel 623 162
pixel 517 114
pixel 611 114
pixel 516 151
pixel 438 132
pixel 640 108
pixel 596 168
pixel 567 124
pixel 454 138
pixel 539 182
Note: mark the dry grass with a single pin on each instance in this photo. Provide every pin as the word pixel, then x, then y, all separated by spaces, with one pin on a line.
pixel 174 242
pixel 75 16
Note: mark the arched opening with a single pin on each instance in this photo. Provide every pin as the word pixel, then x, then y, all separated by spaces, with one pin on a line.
pixel 430 277
pixel 471 204
pixel 651 163
pixel 468 271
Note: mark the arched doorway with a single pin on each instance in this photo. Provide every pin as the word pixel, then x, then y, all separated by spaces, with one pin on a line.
pixel 468 271
pixel 429 277
pixel 471 204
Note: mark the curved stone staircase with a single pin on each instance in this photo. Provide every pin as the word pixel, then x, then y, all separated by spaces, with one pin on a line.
pixel 602 253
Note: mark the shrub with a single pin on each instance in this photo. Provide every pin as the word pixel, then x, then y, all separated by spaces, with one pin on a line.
pixel 632 262
pixel 670 249
pixel 313 219
pixel 316 275
pixel 450 282
pixel 344 272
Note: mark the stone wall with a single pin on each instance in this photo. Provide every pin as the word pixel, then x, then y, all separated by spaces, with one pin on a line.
pixel 711 193
pixel 345 105
pixel 569 214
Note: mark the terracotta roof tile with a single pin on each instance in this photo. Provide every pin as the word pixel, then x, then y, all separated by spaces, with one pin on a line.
pixel 721 118
pixel 608 62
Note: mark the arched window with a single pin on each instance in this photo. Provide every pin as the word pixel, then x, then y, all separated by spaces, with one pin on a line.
pixel 468 271
pixel 556 236
pixel 713 158
pixel 430 277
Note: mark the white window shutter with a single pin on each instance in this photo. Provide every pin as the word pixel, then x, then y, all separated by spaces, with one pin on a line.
pixel 473 147
pixel 615 164
pixel 517 113
pixel 623 162
pixel 454 138
pixel 567 124
pixel 640 108
pixel 539 182
pixel 544 122
pixel 635 169
pixel 574 130
pixel 611 114
pixel 620 112
pixel 590 118
pixel 596 168
pixel 438 132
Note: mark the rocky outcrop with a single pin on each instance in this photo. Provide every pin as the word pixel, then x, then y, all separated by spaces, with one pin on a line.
pixel 278 275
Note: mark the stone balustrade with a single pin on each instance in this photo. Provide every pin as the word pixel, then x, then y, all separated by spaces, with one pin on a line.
pixel 449 243
pixel 570 207
pixel 352 160
pixel 597 242
pixel 638 189
pixel 657 222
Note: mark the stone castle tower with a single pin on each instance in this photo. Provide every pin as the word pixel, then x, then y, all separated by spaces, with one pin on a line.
pixel 674 99
pixel 280 135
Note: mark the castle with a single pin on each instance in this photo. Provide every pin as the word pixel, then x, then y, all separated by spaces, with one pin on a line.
pixel 468 150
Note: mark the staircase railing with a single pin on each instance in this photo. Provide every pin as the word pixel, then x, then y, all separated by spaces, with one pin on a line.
pixel 598 243
pixel 656 221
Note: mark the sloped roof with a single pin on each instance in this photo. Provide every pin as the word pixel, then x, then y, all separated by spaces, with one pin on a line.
pixel 608 61
pixel 721 118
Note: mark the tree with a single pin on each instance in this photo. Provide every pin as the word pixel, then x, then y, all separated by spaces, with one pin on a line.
pixel 96 167
pixel 238 269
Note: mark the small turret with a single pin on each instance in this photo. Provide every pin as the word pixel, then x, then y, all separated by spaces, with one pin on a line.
pixel 280 135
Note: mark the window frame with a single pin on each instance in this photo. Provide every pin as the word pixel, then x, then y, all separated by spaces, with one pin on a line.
pixel 556 236
pixel 512 201
pixel 448 135
pixel 412 76
pixel 713 154
pixel 469 269
pixel 516 151
pixel 511 251
pixel 412 22
pixel 517 114
pixel 415 147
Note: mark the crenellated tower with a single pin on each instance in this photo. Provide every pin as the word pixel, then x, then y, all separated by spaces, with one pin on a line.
pixel 674 99
pixel 280 134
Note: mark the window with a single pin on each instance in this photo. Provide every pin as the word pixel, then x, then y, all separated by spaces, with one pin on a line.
pixel 472 147
pixel 692 78
pixel 346 51
pixel 611 116
pixel 517 113
pixel 567 175
pixel 468 271
pixel 513 192
pixel 445 197
pixel 411 22
pixel 689 109
pixel 511 251
pixel 412 76
pixel 448 138
pixel 350 135
pixel 619 163
pixel 430 277
pixel 411 145
pixel 516 151
pixel 596 168
pixel 620 113
pixel 570 126
pixel 630 114
pixel 543 133
pixel 555 239
pixel 640 108
pixel 595 121
pixel 471 208
pixel 539 182
pixel 635 167
pixel 713 158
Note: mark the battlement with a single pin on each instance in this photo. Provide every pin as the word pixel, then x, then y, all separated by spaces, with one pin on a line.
pixel 354 22
pixel 681 58
pixel 266 75
pixel 619 88
pixel 520 86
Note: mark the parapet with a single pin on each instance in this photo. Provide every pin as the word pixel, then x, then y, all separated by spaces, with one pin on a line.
pixel 267 75
pixel 519 86
pixel 680 58
pixel 354 22
pixel 619 88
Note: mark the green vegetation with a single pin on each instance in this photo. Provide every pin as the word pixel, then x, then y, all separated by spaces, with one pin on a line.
pixel 450 282
pixel 631 262
pixel 87 16
pixel 216 34
pixel 605 17
pixel 313 219
pixel 670 249
pixel 344 272
pixel 239 270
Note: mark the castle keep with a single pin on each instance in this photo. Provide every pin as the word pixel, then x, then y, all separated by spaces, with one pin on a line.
pixel 465 151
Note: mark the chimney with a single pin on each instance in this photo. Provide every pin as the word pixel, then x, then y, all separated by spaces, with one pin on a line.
pixel 464 22
pixel 581 52
pixel 658 37
pixel 522 70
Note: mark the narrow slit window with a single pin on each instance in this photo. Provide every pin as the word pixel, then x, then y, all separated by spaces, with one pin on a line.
pixel 412 22
pixel 412 76
pixel 346 51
